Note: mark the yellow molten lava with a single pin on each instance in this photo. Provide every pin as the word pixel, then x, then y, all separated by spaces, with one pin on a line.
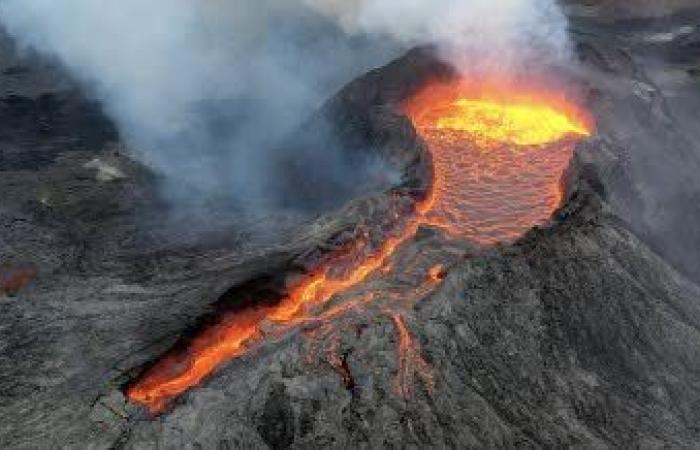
pixel 520 124
pixel 499 150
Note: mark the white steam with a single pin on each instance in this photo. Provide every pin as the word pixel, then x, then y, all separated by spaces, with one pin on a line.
pixel 202 87
pixel 492 33
pixel 146 59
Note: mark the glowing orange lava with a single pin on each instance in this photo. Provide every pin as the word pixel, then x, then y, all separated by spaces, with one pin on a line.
pixel 497 155
pixel 490 122
pixel 234 335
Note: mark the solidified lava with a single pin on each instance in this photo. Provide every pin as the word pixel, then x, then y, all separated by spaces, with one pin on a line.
pixel 498 154
pixel 411 362
pixel 236 334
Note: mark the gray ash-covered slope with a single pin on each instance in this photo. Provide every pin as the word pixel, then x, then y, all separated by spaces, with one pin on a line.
pixel 578 334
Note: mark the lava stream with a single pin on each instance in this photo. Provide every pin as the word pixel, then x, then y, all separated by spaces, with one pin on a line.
pixel 498 155
pixel 234 335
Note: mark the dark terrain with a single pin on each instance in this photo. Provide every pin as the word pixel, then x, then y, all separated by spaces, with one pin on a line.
pixel 583 333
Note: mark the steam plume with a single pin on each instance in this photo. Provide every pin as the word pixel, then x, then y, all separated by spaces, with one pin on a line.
pixel 204 88
pixel 490 33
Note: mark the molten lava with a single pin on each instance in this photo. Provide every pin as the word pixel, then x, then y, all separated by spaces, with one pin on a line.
pixel 498 155
pixel 488 122
pixel 234 335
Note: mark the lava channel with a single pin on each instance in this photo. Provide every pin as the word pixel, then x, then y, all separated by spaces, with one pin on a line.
pixel 498 155
pixel 238 333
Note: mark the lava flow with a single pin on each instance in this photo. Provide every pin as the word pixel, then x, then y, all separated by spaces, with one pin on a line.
pixel 498 155
pixel 237 333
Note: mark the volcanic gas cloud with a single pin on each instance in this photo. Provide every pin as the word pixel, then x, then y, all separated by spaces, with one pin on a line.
pixel 498 154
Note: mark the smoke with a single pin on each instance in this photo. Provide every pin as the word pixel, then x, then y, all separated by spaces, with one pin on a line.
pixel 204 91
pixel 493 34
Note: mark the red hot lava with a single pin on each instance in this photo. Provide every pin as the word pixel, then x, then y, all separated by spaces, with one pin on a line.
pixel 498 154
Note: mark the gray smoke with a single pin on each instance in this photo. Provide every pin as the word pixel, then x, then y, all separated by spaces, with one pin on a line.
pixel 200 90
pixel 494 34
pixel 204 90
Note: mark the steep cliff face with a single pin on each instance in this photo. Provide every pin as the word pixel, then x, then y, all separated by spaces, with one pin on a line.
pixel 583 332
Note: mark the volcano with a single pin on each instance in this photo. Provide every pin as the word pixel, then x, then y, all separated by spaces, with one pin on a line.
pixel 514 286
pixel 497 166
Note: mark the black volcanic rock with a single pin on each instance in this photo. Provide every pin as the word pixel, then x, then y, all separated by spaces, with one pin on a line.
pixel 358 142
pixel 43 113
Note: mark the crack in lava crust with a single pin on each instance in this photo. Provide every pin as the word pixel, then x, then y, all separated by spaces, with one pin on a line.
pixel 498 156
